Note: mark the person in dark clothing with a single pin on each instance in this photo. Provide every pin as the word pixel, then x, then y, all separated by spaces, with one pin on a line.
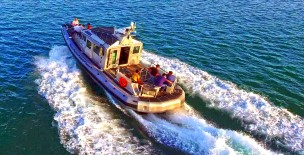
pixel 160 81
pixel 154 70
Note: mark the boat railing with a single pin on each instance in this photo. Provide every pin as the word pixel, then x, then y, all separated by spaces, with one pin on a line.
pixel 145 90
pixel 148 90
pixel 152 64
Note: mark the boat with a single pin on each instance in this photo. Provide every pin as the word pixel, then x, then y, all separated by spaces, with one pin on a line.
pixel 110 56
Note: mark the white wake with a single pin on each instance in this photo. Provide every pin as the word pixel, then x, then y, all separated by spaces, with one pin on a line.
pixel 257 114
pixel 193 135
pixel 187 131
pixel 85 124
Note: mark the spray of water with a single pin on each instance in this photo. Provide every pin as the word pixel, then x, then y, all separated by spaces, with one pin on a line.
pixel 257 114
pixel 185 130
pixel 85 123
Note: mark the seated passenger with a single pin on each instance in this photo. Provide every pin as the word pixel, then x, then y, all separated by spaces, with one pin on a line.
pixel 170 77
pixel 136 77
pixel 160 81
pixel 154 70
pixel 89 26
pixel 75 22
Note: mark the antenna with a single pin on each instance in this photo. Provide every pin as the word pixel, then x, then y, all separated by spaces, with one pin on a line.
pixel 133 26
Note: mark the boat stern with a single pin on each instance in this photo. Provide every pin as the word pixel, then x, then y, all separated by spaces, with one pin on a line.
pixel 157 106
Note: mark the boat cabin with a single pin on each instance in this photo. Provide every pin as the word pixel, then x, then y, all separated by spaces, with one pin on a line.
pixel 115 52
pixel 111 56
pixel 109 48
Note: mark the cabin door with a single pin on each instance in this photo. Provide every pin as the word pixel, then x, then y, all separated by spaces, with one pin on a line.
pixel 97 55
pixel 124 55
pixel 113 58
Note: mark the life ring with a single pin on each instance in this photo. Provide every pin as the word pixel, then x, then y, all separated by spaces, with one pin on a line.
pixel 123 82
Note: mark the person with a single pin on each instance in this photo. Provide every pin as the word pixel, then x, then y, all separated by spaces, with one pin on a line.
pixel 154 70
pixel 89 26
pixel 136 77
pixel 170 77
pixel 160 81
pixel 75 22
pixel 78 28
pixel 126 31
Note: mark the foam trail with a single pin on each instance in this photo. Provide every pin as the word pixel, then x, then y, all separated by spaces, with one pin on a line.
pixel 87 127
pixel 186 131
pixel 193 135
pixel 257 114
pixel 85 124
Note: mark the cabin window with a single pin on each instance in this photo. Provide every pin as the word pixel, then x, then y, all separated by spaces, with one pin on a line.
pixel 83 37
pixel 113 59
pixel 98 50
pixel 136 49
pixel 89 44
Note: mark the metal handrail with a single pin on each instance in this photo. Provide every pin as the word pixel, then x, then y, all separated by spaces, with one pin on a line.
pixel 164 71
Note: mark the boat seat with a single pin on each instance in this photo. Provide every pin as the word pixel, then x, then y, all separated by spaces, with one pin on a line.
pixel 156 88
pixel 149 90
pixel 145 75
pixel 170 89
pixel 135 88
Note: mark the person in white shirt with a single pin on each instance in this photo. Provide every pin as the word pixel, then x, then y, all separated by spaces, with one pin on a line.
pixel 75 22
pixel 78 28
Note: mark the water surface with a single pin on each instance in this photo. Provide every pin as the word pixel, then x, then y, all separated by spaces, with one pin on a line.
pixel 241 64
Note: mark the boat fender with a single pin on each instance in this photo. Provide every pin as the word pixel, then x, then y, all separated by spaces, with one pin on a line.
pixel 123 82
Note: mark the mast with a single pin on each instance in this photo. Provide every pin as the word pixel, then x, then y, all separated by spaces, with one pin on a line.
pixel 127 38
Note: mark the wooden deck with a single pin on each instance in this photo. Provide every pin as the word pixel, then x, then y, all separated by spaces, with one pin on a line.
pixel 161 97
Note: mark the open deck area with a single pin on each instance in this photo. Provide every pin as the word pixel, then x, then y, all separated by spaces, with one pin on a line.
pixel 149 92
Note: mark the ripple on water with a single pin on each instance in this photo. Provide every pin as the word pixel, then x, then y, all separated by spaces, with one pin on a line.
pixel 213 36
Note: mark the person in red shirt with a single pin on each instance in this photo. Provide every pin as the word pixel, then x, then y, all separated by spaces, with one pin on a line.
pixel 89 26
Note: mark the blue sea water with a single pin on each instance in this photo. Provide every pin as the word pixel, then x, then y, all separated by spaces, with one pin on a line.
pixel 240 63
